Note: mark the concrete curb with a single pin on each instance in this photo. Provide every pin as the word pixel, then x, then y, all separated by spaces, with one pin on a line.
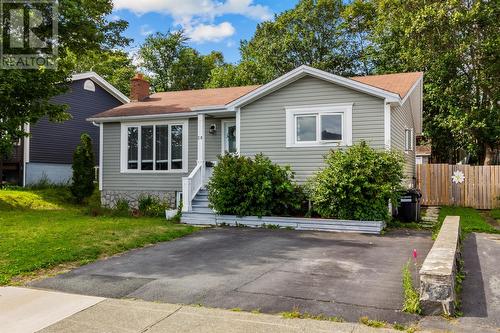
pixel 438 272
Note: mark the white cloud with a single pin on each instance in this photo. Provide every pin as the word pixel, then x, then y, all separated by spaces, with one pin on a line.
pixel 210 32
pixel 197 16
pixel 196 8
pixel 146 30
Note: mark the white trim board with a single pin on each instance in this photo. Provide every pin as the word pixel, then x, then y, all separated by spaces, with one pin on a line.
pixel 223 134
pixel 101 153
pixel 26 151
pixel 304 71
pixel 387 125
pixel 147 117
pixel 103 84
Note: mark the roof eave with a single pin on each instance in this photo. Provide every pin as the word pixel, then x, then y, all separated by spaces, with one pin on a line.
pixel 304 70
pixel 119 119
pixel 103 84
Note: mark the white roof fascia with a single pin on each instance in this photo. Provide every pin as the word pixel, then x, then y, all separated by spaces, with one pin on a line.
pixel 143 117
pixel 103 84
pixel 306 70
pixel 213 108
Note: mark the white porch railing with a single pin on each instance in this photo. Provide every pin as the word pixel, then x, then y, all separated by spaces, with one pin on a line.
pixel 191 185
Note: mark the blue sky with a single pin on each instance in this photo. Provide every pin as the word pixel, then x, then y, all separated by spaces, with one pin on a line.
pixel 211 24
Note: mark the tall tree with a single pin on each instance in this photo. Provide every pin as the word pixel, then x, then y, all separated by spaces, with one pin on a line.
pixel 314 33
pixel 229 75
pixel 25 94
pixel 173 65
pixel 456 43
pixel 114 66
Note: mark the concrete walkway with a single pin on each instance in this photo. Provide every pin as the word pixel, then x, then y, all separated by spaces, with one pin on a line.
pixel 138 316
pixel 29 310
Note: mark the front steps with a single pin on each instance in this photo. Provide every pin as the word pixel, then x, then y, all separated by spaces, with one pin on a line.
pixel 201 213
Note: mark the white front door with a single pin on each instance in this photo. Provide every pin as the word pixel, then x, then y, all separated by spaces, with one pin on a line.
pixel 228 137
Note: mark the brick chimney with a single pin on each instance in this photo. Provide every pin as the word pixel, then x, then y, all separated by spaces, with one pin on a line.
pixel 139 88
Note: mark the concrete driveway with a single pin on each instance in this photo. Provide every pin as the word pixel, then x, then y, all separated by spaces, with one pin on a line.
pixel 336 274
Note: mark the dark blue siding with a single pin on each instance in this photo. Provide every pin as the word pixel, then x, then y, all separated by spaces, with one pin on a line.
pixel 55 142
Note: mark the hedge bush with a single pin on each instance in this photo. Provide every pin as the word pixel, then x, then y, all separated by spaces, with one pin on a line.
pixel 253 187
pixel 357 184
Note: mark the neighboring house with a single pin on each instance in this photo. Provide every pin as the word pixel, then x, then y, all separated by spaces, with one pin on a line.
pixel 423 154
pixel 48 152
pixel 160 144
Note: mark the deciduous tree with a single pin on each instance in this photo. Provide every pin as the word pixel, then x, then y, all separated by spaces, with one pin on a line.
pixel 173 65
pixel 25 94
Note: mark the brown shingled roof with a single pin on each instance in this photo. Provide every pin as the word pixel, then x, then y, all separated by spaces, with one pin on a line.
pixel 423 150
pixel 186 100
pixel 178 101
pixel 399 83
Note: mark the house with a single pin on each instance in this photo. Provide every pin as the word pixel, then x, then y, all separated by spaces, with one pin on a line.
pixel 423 154
pixel 48 153
pixel 161 144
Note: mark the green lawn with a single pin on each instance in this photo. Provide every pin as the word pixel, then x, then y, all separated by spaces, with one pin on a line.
pixel 39 230
pixel 470 219
pixel 495 213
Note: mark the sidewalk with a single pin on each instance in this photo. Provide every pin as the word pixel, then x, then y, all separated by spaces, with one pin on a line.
pixel 138 316
pixel 92 314
pixel 29 310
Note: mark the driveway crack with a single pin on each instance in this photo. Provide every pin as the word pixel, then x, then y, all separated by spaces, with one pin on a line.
pixel 318 300
pixel 147 328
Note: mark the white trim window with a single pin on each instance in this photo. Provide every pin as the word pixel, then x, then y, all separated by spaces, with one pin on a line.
pixel 319 125
pixel 160 147
pixel 408 139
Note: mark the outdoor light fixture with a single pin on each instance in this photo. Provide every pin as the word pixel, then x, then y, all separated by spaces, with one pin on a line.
pixel 213 129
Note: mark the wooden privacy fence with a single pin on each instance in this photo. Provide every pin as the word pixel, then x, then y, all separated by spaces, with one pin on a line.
pixel 472 186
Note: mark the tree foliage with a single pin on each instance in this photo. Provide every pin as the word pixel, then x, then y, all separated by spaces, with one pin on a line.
pixel 313 33
pixel 25 94
pixel 175 66
pixel 456 43
pixel 357 184
pixel 82 185
pixel 114 66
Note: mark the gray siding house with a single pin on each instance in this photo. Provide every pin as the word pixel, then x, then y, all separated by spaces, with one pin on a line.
pixel 48 152
pixel 163 144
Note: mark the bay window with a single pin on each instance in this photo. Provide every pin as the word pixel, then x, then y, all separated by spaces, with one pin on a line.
pixel 158 147
pixel 319 125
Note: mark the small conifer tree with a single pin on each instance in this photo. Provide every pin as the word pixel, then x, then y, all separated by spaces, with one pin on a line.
pixel 82 185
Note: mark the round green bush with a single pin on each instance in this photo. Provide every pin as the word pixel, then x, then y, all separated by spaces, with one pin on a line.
pixel 357 184
pixel 244 186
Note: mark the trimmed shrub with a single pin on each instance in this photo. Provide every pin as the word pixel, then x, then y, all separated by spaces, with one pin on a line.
pixel 82 185
pixel 246 187
pixel 357 184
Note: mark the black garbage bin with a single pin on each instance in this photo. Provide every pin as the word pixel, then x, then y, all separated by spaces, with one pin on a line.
pixel 409 208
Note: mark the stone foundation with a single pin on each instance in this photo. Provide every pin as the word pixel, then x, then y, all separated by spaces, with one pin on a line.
pixel 110 198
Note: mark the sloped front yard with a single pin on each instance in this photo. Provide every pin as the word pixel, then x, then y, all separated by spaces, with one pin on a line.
pixel 39 231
